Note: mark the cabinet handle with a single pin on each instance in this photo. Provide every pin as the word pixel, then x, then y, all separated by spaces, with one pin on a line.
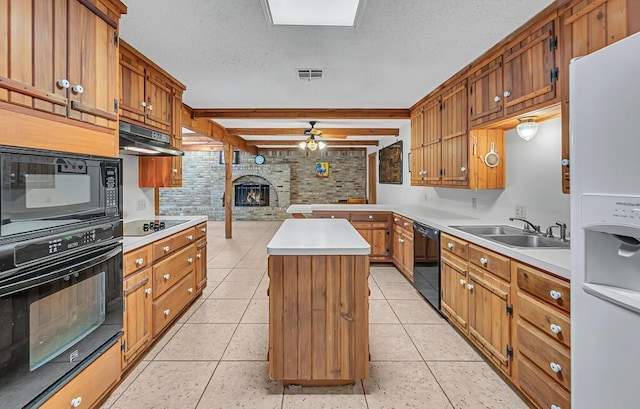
pixel 147 291
pixel 174 170
pixel 190 290
pixel 370 217
pixel 497 98
pixel 139 261
pixel 166 277
pixel 198 255
pixel 555 367
pixel 450 245
pixel 463 169
pixel 556 329
pixel 401 241
pixel 333 217
pixel 78 89
pixel 507 94
pixel 167 312
pixel 143 104
pixel 483 261
pixel 75 402
pixel 190 237
pixel 555 407
pixel 462 282
pixel 203 229
pixel 64 83
pixel 150 107
pixel 556 295
pixel 470 287
pixel 395 219
pixel 190 260
pixel 405 224
pixel 165 248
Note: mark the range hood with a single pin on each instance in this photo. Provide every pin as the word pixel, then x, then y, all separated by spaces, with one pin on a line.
pixel 139 141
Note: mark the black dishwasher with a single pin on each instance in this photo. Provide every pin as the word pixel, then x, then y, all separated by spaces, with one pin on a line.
pixel 426 263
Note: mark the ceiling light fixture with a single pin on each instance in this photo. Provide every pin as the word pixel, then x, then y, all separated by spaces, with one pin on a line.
pixel 527 128
pixel 311 144
pixel 313 13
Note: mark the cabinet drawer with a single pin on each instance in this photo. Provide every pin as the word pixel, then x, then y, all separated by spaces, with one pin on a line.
pixel 370 225
pixel 454 245
pixel 171 270
pixel 369 217
pixel 491 262
pixel 137 260
pixel 167 307
pixel 402 221
pixel 201 230
pixel 170 244
pixel 84 386
pixel 541 389
pixel 544 353
pixel 540 284
pixel 545 318
pixel 330 215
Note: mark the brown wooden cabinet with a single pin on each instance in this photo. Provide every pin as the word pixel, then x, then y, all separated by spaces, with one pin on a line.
pixel 137 315
pixel 455 137
pixel 201 257
pixel 454 293
pixel 59 65
pixel 486 92
pixel 402 245
pixel 416 165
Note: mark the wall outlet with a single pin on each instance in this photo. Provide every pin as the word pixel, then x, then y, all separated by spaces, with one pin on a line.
pixel 141 204
pixel 474 202
pixel 520 211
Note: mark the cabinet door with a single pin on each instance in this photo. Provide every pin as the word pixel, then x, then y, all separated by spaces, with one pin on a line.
pixel 455 295
pixel 432 143
pixel 489 322
pixel 408 256
pixel 380 243
pixel 455 139
pixel 93 65
pixel 201 264
pixel 132 76
pixel 530 71
pixel 176 137
pixel 159 101
pixel 431 164
pixel 397 251
pixel 417 129
pixel 485 93
pixel 137 315
pixel 29 67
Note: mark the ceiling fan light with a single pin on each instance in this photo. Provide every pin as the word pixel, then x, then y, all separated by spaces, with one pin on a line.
pixel 527 128
pixel 312 145
pixel 302 145
pixel 321 145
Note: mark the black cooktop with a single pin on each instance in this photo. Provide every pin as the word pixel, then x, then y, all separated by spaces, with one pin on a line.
pixel 144 227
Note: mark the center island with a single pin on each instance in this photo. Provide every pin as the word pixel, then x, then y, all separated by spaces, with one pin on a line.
pixel 318 303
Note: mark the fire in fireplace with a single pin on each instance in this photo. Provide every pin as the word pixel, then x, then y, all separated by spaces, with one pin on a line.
pixel 251 194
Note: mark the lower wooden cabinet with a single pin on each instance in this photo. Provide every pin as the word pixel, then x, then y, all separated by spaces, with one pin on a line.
pixel 137 315
pixel 402 245
pixel 201 264
pixel 454 294
pixel 169 305
pixel 91 385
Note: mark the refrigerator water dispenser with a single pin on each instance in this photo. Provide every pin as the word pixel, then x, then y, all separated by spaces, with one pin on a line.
pixel 611 228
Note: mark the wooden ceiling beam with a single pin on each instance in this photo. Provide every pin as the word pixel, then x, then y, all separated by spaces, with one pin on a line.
pixel 326 132
pixel 214 131
pixel 258 142
pixel 302 113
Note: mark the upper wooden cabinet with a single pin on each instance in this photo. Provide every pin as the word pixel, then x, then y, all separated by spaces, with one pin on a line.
pixel 59 61
pixel 455 137
pixel 486 92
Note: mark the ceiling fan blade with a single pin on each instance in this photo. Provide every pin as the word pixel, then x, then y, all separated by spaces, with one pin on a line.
pixel 315 132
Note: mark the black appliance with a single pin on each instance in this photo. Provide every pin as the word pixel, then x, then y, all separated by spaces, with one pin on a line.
pixel 45 192
pixel 145 227
pixel 426 263
pixel 139 141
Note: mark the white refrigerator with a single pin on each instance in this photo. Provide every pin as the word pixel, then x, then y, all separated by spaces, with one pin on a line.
pixel 605 227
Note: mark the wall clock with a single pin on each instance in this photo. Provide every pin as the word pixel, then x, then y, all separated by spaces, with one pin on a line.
pixel 259 160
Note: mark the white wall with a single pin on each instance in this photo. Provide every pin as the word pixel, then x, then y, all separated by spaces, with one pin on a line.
pixel 133 196
pixel 533 180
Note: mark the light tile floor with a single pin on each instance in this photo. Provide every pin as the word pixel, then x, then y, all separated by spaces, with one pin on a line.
pixel 215 355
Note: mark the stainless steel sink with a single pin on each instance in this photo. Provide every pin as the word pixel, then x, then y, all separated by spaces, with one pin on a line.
pixel 489 230
pixel 528 240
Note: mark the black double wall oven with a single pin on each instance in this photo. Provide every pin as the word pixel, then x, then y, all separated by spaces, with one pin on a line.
pixel 61 297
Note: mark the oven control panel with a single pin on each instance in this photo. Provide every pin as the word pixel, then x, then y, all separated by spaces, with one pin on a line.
pixel 54 245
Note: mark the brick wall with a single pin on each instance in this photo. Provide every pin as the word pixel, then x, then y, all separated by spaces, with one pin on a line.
pixel 291 175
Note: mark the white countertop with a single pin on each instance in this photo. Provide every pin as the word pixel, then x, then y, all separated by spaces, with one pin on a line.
pixel 556 261
pixel 317 237
pixel 134 242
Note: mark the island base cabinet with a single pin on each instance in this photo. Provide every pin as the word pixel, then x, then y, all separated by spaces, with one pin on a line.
pixel 318 319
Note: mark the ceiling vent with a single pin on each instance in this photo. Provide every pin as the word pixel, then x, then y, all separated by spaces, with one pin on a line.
pixel 310 73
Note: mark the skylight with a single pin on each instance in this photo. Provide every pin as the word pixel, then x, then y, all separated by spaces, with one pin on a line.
pixel 313 12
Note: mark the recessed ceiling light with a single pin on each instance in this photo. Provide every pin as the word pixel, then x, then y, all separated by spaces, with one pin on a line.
pixel 313 12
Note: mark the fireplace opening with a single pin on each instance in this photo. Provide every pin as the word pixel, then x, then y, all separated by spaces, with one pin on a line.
pixel 251 194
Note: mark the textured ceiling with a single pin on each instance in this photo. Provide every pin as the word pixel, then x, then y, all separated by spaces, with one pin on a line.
pixel 227 54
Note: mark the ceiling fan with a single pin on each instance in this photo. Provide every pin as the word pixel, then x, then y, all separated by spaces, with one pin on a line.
pixel 313 131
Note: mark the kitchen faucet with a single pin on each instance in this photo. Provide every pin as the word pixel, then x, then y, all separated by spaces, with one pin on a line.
pixel 527 223
pixel 562 228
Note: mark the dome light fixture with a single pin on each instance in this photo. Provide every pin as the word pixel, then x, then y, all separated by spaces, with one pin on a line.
pixel 527 128
pixel 311 144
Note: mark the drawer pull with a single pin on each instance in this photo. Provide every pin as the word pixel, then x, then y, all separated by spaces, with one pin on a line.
pixel 462 282
pixel 555 367
pixel 401 241
pixel 190 260
pixel 189 290
pixel 203 229
pixel 370 217
pixel 167 312
pixel 147 291
pixel 470 287
pixel 556 329
pixel 198 255
pixel 76 402
pixel 139 261
pixel 406 224
pixel 450 245
pixel 555 407
pixel 190 237
pixel 165 248
pixel 483 261
pixel 396 219
pixel 167 277
pixel 556 295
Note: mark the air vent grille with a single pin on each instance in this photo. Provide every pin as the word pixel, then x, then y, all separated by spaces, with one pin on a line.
pixel 310 73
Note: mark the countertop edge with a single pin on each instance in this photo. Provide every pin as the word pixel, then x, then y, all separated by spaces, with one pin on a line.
pixel 135 242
